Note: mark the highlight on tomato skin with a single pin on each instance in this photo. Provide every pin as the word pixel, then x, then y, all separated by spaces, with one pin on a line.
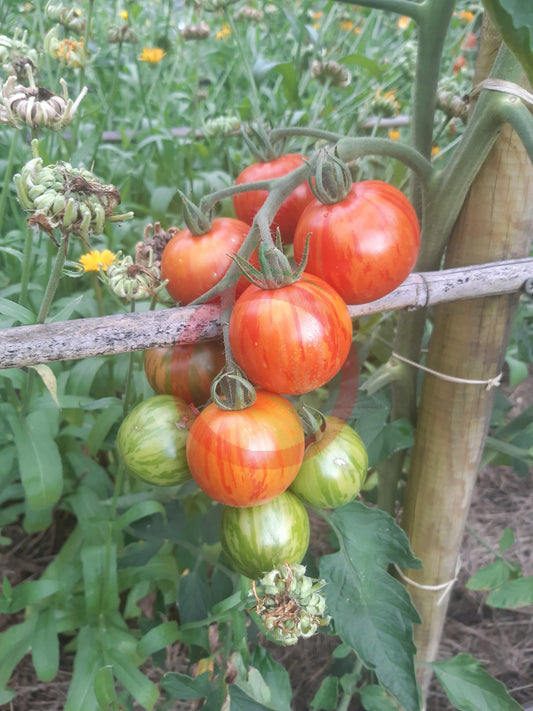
pixel 246 457
pixel 364 246
pixel 293 339
pixel 258 539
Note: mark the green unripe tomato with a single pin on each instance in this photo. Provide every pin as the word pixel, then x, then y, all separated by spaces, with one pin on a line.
pixel 151 440
pixel 257 539
pixel 334 466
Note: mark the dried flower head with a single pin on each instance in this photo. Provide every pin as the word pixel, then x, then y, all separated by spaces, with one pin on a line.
pixel 123 34
pixel 35 106
pixel 200 31
pixel 68 51
pixel 251 14
pixel 148 253
pixel 16 55
pixel 330 72
pixel 290 604
pixel 71 18
pixel 60 196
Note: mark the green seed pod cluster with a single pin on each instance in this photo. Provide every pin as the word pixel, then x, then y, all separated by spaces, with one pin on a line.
pixel 15 55
pixel 132 281
pixel 290 604
pixel 60 196
pixel 220 126
pixel 71 18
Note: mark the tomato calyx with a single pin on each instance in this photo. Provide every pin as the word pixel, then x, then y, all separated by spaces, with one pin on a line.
pixel 332 177
pixel 236 391
pixel 313 423
pixel 198 222
pixel 261 147
pixel 275 270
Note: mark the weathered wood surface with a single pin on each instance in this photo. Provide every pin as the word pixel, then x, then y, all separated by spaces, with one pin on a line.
pixel 122 333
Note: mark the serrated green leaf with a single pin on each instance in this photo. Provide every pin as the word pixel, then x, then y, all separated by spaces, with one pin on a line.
pixel 470 688
pixel 372 611
pixel 45 646
pixel 185 687
pixel 375 698
pixel 507 539
pixel 276 677
pixel 327 696
pixel 512 594
pixel 41 470
pixel 490 576
pixel 514 19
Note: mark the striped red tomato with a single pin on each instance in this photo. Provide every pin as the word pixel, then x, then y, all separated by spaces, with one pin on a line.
pixel 185 370
pixel 364 246
pixel 293 339
pixel 260 538
pixel 246 457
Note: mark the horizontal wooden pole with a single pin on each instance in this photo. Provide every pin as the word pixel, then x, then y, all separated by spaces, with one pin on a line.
pixel 123 333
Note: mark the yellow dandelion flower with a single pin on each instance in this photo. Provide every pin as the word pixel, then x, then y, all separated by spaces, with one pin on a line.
pixel 394 134
pixel 123 14
pixel 435 150
pixel 403 22
pixel 224 32
pixel 95 260
pixel 466 16
pixel 153 55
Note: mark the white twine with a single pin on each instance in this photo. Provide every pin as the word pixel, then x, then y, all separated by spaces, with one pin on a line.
pixel 507 87
pixel 490 383
pixel 445 587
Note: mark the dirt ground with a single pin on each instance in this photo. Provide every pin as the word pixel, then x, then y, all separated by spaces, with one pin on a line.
pixel 502 639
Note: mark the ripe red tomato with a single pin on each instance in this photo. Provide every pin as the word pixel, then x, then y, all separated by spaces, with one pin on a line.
pixel 246 205
pixel 246 457
pixel 194 264
pixel 185 371
pixel 334 466
pixel 364 246
pixel 293 339
pixel 151 440
pixel 260 538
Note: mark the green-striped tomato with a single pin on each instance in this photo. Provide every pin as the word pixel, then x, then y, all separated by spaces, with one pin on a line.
pixel 334 466
pixel 151 440
pixel 246 457
pixel 185 371
pixel 260 538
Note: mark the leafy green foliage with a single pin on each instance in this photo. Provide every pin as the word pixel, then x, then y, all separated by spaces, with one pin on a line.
pixel 514 19
pixel 470 688
pixel 363 597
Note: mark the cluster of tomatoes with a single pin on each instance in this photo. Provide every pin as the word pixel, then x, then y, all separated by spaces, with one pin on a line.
pixel 253 452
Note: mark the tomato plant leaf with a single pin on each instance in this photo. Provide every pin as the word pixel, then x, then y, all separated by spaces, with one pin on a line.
pixel 375 698
pixel 185 687
pixel 490 576
pixel 512 594
pixel 372 611
pixel 327 696
pixel 470 688
pixel 514 19
pixel 506 540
